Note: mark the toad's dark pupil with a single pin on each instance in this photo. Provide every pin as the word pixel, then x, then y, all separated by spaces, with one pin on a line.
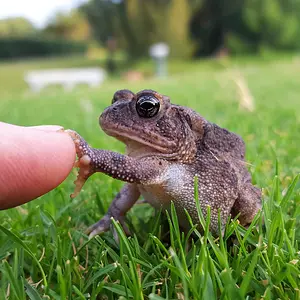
pixel 147 106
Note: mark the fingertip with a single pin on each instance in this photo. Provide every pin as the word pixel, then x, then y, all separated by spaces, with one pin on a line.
pixel 62 154
pixel 55 156
pixel 35 162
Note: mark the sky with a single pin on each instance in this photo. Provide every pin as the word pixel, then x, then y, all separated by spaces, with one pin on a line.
pixel 39 12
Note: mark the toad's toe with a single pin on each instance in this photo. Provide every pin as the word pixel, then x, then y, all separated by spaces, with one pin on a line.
pixel 101 226
pixel 83 162
pixel 81 146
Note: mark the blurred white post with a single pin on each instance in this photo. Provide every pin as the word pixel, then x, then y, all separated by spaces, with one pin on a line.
pixel 159 52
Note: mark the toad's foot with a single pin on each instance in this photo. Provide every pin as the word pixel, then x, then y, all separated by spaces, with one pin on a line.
pixel 105 224
pixel 83 163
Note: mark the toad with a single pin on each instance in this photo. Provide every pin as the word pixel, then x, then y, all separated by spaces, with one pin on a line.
pixel 167 147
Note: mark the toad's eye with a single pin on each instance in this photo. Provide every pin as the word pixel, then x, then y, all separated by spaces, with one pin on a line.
pixel 147 106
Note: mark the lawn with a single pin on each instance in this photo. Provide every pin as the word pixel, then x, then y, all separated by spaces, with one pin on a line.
pixel 45 253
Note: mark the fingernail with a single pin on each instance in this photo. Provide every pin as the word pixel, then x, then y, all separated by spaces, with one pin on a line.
pixel 48 128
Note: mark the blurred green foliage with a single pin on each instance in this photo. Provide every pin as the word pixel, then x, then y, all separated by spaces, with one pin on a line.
pixel 72 25
pixel 138 24
pixel 20 47
pixel 191 28
pixel 15 27
pixel 197 27
pixel 65 34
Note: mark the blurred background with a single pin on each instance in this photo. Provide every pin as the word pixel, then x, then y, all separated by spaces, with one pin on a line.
pixel 117 35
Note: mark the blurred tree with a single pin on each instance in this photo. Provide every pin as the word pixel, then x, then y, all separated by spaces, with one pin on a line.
pixel 156 21
pixel 177 28
pixel 137 24
pixel 246 25
pixel 201 27
pixel 138 27
pixel 72 26
pixel 102 17
pixel 213 22
pixel 275 23
pixel 16 27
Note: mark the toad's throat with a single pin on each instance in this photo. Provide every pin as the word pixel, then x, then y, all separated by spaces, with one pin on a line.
pixel 161 145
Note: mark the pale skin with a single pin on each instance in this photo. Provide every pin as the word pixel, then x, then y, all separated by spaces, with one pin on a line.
pixel 34 160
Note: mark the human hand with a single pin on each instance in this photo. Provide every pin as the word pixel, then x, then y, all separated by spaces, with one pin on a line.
pixel 33 161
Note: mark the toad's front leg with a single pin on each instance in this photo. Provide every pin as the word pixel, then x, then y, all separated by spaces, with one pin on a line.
pixel 116 165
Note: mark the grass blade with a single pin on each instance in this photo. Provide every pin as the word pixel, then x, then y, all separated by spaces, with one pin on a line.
pixel 31 291
pixel 26 248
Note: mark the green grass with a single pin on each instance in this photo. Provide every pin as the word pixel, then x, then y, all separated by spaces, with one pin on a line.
pixel 45 253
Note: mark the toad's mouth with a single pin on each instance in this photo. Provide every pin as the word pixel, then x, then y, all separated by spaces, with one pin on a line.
pixel 146 144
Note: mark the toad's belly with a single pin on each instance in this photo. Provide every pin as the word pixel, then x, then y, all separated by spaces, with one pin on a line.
pixel 156 196
pixel 166 187
pixel 175 185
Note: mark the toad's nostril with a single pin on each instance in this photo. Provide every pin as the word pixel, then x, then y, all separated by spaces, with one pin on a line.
pixel 115 108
